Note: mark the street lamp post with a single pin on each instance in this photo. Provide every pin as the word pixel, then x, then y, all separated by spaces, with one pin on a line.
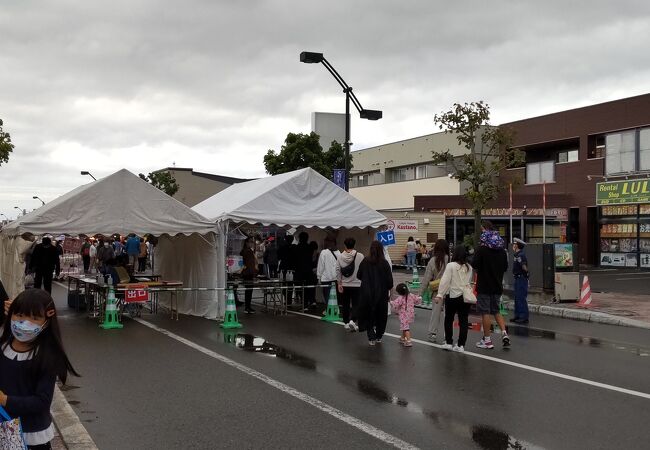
pixel 85 172
pixel 36 197
pixel 20 210
pixel 369 114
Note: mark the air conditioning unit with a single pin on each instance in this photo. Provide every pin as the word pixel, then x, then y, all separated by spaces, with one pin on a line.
pixel 426 221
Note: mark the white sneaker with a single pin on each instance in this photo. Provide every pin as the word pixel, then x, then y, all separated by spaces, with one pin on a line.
pixel 458 348
pixel 347 326
pixel 485 343
pixel 446 346
pixel 353 326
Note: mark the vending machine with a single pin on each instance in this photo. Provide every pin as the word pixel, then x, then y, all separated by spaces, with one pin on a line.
pixel 566 273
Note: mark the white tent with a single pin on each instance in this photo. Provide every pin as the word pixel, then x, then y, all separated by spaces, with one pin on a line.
pixel 299 199
pixel 123 203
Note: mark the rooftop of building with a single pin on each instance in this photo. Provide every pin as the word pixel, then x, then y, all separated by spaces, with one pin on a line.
pixel 209 176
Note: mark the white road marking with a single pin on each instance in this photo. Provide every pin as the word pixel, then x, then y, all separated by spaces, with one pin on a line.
pixel 334 412
pixel 519 365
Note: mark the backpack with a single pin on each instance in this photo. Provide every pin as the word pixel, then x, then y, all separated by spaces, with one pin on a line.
pixel 348 270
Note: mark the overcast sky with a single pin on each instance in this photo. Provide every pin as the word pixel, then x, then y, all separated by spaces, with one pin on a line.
pixel 213 84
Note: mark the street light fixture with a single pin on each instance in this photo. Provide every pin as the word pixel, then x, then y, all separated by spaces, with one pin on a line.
pixel 36 197
pixel 369 114
pixel 85 172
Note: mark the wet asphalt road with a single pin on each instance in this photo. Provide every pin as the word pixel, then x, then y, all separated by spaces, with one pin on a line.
pixel 141 389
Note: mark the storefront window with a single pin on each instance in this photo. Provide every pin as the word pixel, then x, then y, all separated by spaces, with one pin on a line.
pixel 620 152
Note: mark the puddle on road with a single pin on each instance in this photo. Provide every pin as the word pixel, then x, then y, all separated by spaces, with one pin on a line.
pixel 525 331
pixel 258 344
pixel 485 437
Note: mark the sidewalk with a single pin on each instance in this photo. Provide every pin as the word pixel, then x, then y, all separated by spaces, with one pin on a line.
pixel 607 308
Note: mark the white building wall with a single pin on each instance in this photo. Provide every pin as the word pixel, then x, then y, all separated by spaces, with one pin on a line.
pixel 400 195
pixel 330 127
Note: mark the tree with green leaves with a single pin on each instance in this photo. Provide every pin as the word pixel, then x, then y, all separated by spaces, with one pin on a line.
pixel 6 146
pixel 304 150
pixel 163 181
pixel 478 167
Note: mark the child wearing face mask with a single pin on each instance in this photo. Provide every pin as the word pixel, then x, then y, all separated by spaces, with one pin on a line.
pixel 31 360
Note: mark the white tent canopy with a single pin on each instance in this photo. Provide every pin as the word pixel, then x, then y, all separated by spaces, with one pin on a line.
pixel 123 203
pixel 299 198
pixel 120 203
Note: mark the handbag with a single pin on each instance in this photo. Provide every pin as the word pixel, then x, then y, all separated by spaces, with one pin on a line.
pixel 11 432
pixel 468 292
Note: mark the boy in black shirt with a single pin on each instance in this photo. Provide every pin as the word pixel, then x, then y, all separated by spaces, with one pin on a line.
pixel 490 263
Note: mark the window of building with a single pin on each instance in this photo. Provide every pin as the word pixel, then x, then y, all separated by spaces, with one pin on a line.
pixel 644 149
pixel 567 156
pixel 403 174
pixel 597 148
pixel 620 155
pixel 540 172
pixel 424 171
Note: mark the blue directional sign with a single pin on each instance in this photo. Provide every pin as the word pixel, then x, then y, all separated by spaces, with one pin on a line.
pixel 386 237
pixel 339 178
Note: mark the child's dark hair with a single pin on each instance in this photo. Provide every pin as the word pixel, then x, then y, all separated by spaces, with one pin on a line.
pixel 49 355
pixel 402 289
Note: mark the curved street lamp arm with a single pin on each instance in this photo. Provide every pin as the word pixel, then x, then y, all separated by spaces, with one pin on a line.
pixel 347 89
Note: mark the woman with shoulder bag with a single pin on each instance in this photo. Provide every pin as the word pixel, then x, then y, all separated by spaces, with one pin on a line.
pixel 456 289
pixel 432 275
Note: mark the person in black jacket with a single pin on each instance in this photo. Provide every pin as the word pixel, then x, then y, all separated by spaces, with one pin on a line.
pixel 304 259
pixel 249 272
pixel 490 263
pixel 376 282
pixel 42 263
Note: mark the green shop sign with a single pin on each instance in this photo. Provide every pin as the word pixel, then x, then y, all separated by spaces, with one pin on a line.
pixel 621 192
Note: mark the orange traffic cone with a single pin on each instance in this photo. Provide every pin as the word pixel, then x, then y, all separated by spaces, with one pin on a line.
pixel 585 293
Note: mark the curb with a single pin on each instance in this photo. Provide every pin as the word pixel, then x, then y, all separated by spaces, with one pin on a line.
pixel 575 314
pixel 582 315
pixel 72 432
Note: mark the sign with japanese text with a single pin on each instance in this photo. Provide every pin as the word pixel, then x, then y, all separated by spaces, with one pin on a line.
pixel 136 293
pixel 386 238
pixel 402 225
pixel 621 192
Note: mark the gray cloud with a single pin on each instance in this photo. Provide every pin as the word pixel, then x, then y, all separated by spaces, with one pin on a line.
pixel 214 84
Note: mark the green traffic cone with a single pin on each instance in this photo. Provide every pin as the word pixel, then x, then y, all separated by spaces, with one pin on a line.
pixel 332 311
pixel 415 281
pixel 111 318
pixel 426 297
pixel 230 318
pixel 502 309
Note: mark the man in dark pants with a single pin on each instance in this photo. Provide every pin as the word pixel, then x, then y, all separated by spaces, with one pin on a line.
pixel 304 255
pixel 520 274
pixel 286 255
pixel 43 262
pixel 85 255
pixel 249 273
pixel 348 284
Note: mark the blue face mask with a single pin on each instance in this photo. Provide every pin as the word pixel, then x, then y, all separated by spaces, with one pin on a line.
pixel 25 331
